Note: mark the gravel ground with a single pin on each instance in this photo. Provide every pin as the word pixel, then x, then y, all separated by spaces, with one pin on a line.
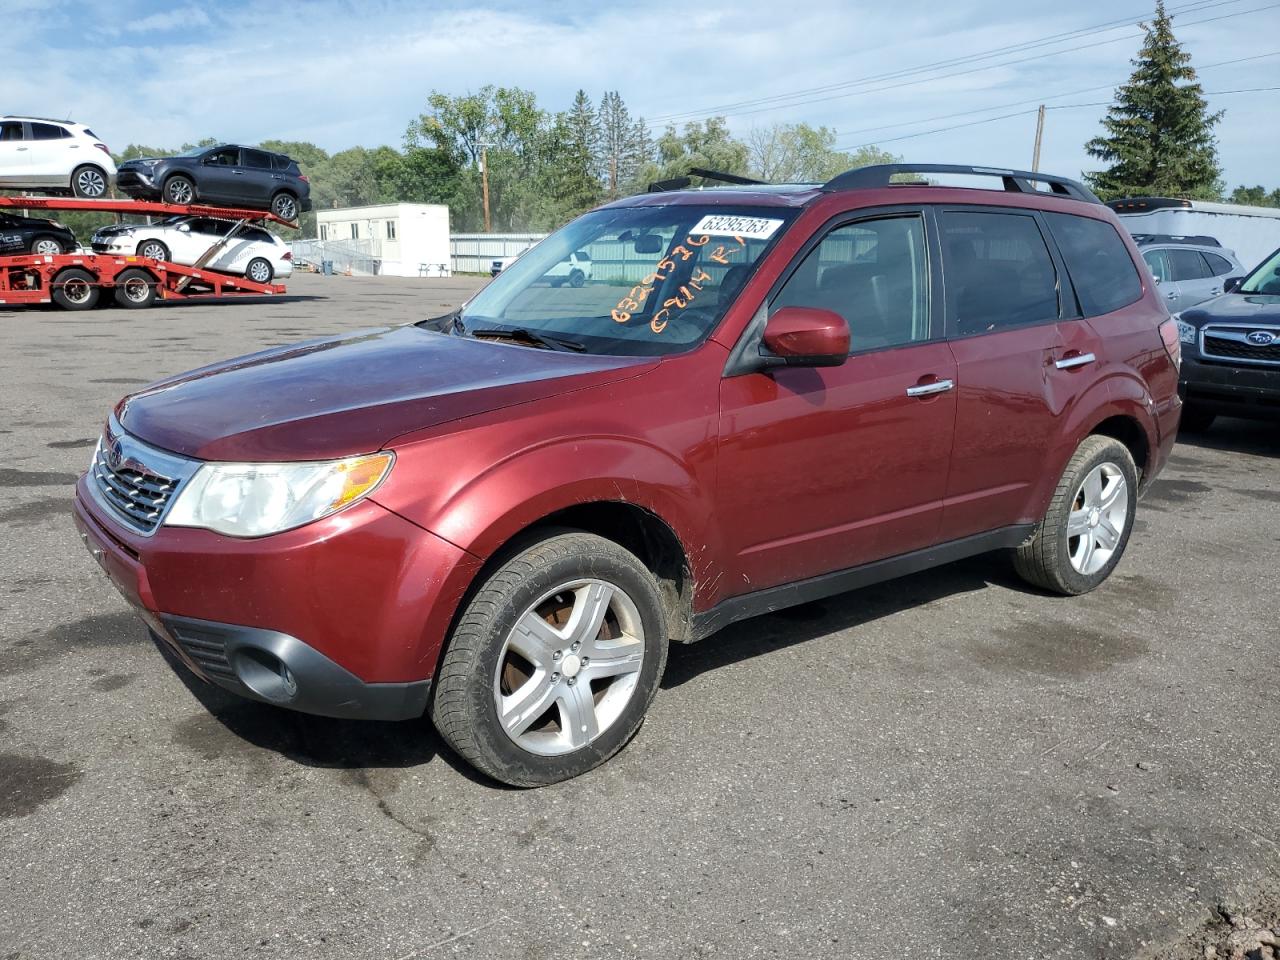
pixel 949 765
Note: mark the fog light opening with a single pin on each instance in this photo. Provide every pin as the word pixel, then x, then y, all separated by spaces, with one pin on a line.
pixel 265 674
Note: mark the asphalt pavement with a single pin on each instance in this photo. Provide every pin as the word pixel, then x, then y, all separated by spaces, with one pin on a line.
pixel 949 765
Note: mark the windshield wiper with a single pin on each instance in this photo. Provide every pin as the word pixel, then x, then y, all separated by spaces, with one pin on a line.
pixel 450 322
pixel 528 338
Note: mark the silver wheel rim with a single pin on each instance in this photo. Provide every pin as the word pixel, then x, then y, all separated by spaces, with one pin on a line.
pixel 286 209
pixel 153 251
pixel 1098 517
pixel 179 191
pixel 91 183
pixel 136 289
pixel 48 248
pixel 259 271
pixel 569 667
pixel 76 291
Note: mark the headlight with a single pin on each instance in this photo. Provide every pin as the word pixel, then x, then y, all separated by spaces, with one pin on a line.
pixel 1186 332
pixel 255 499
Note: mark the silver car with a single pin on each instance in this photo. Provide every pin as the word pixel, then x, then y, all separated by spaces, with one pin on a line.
pixel 1189 270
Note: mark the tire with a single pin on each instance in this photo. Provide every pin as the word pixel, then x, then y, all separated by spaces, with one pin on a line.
pixel 285 206
pixel 135 289
pixel 1088 500
pixel 577 278
pixel 89 182
pixel 563 574
pixel 153 250
pixel 179 189
pixel 259 270
pixel 47 246
pixel 75 289
pixel 1195 419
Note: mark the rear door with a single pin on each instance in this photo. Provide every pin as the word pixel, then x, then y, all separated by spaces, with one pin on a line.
pixel 257 182
pixel 822 469
pixel 50 154
pixel 1195 280
pixel 1003 288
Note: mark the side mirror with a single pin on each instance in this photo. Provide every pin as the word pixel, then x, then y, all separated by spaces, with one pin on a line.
pixel 184 228
pixel 806 337
pixel 1232 284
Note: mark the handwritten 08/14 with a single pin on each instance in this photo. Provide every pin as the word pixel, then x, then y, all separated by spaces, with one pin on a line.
pixel 688 291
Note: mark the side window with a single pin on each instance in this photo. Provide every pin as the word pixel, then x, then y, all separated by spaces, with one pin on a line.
pixel 1159 265
pixel 1220 266
pixel 1101 271
pixel 280 164
pixel 257 159
pixel 224 158
pixel 47 131
pixel 355 231
pixel 391 229
pixel 10 130
pixel 999 273
pixel 1187 265
pixel 875 274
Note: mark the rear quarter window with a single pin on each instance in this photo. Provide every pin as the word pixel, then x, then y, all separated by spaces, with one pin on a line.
pixel 1102 272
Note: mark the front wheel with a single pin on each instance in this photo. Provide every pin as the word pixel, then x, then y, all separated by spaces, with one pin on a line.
pixel 179 189
pixel 553 664
pixel 577 278
pixel 153 249
pixel 1087 525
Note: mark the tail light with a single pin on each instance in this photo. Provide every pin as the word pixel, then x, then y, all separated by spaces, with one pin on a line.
pixel 304 178
pixel 1172 345
pixel 103 148
pixel 287 255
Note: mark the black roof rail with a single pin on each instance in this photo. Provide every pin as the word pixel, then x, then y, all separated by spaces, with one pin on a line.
pixel 1148 203
pixel 1015 181
pixel 679 183
pixel 1201 240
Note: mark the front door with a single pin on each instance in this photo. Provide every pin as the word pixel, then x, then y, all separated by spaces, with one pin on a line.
pixel 822 469
pixel 220 175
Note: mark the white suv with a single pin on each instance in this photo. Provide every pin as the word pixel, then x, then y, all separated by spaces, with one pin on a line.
pixel 251 251
pixel 38 154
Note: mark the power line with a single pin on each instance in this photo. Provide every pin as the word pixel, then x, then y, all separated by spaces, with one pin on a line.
pixel 1040 99
pixel 1024 113
pixel 776 100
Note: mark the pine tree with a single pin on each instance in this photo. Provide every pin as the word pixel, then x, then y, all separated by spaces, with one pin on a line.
pixel 1159 132
pixel 616 133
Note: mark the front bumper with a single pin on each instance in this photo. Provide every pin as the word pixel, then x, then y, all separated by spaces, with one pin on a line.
pixel 137 183
pixel 1250 391
pixel 348 614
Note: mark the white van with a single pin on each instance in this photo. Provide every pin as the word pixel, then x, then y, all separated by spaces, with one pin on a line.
pixel 1252 232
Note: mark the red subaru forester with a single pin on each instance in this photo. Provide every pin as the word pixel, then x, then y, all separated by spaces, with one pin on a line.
pixel 763 395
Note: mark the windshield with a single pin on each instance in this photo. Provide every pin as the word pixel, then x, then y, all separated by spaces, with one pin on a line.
pixel 632 281
pixel 1266 278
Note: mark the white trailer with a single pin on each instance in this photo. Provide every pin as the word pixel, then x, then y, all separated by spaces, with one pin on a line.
pixel 1253 233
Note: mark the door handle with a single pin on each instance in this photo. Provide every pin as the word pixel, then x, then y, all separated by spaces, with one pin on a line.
pixel 927 389
pixel 1079 360
pixel 238 173
pixel 24 148
pixel 1171 295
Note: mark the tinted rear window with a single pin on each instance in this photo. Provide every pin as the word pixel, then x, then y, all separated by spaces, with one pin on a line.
pixel 1220 266
pixel 999 272
pixel 47 131
pixel 1187 265
pixel 1101 269
pixel 258 159
pixel 282 163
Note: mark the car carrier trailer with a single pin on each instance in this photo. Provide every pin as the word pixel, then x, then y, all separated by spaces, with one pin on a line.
pixel 79 281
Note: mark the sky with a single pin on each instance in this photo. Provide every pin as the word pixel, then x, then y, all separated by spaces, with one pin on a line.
pixel 923 80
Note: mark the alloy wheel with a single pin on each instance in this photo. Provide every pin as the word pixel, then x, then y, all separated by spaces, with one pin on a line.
pixel 259 271
pixel 286 209
pixel 1099 514
pixel 91 183
pixel 47 247
pixel 569 667
pixel 179 191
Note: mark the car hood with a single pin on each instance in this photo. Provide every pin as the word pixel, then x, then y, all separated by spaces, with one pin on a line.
pixel 115 230
pixel 1241 308
pixel 350 394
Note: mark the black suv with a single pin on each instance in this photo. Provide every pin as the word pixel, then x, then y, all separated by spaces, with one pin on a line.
pixel 1231 350
pixel 33 235
pixel 227 175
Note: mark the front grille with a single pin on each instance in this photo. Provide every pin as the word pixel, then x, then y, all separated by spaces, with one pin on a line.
pixel 1236 350
pixel 205 647
pixel 139 496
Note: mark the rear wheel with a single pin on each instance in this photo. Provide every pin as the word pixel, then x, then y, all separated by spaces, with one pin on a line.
pixel 1087 525
pixel 135 288
pixel 577 278
pixel 89 182
pixel 554 662
pixel 153 249
pixel 285 206
pixel 179 189
pixel 1195 420
pixel 259 270
pixel 75 289
pixel 47 246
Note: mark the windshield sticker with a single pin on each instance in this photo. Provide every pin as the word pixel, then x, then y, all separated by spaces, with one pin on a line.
pixel 722 225
pixel 688 291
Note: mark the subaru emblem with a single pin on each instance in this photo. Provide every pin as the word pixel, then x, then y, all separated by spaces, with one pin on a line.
pixel 1262 338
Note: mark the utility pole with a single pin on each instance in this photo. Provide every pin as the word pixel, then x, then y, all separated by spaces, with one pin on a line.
pixel 1035 155
pixel 484 182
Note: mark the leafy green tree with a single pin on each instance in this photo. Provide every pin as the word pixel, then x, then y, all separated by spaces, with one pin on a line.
pixel 1255 196
pixel 708 144
pixel 1159 133
pixel 799 153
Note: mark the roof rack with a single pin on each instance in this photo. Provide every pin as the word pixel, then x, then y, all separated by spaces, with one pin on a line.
pixel 1147 203
pixel 679 183
pixel 1199 241
pixel 1015 181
